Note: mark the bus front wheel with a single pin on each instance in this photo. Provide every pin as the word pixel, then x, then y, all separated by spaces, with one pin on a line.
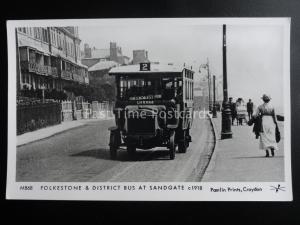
pixel 114 144
pixel 172 146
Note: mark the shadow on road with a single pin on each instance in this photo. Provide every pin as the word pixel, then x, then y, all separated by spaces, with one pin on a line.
pixel 99 153
pixel 144 155
pixel 140 155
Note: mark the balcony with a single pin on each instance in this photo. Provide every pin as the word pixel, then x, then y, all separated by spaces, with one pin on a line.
pixel 81 79
pixel 78 78
pixel 67 75
pixel 52 71
pixel 27 66
pixel 39 69
pixel 34 68
pixel 86 80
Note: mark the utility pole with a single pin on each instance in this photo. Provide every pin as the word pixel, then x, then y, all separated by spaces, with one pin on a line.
pixel 226 112
pixel 208 79
pixel 214 109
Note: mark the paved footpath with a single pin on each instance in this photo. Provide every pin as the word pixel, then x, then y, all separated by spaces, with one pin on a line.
pixel 239 159
pixel 50 131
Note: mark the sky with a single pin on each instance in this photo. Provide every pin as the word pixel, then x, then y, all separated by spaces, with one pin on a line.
pixel 254 52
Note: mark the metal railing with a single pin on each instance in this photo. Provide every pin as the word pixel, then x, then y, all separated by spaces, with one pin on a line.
pixel 39 69
pixel 67 75
pixel 72 110
pixel 78 78
pixel 52 71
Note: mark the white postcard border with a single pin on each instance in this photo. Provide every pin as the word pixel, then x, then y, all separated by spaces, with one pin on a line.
pixel 268 192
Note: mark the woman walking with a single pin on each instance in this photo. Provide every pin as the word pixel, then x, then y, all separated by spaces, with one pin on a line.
pixel 268 126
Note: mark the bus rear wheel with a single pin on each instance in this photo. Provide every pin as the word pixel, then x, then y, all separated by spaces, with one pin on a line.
pixel 113 152
pixel 183 144
pixel 131 150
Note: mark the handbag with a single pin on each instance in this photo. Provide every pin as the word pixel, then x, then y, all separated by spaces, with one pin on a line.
pixel 250 122
pixel 277 133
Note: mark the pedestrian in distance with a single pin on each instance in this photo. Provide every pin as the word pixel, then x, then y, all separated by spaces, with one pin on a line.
pixel 269 126
pixel 250 109
pixel 233 110
pixel 240 111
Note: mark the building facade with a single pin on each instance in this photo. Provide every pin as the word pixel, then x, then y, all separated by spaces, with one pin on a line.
pixel 140 56
pixel 49 57
pixel 91 56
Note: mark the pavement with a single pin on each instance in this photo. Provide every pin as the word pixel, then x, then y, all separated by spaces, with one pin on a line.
pixel 240 160
pixel 46 132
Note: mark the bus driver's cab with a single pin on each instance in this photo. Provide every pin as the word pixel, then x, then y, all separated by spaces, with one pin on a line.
pixel 153 108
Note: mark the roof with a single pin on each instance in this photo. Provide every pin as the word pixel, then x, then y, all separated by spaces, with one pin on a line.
pixel 102 65
pixel 154 68
pixel 82 65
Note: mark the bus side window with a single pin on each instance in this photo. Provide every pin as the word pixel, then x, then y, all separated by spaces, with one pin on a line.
pixel 179 88
pixel 122 86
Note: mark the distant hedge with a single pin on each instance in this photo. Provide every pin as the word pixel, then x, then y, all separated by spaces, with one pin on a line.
pixel 31 117
pixel 37 93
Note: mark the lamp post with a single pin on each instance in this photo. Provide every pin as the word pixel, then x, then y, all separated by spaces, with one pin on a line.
pixel 226 112
pixel 214 109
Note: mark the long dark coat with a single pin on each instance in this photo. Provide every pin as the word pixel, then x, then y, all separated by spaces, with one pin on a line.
pixel 257 128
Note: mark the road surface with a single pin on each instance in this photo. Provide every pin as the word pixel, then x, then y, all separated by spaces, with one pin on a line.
pixel 81 155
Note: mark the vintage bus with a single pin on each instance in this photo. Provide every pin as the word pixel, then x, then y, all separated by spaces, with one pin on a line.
pixel 153 108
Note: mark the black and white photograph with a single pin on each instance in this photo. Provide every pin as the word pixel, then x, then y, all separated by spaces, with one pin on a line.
pixel 149 109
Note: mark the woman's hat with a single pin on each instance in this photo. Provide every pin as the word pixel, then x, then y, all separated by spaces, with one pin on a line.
pixel 266 97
